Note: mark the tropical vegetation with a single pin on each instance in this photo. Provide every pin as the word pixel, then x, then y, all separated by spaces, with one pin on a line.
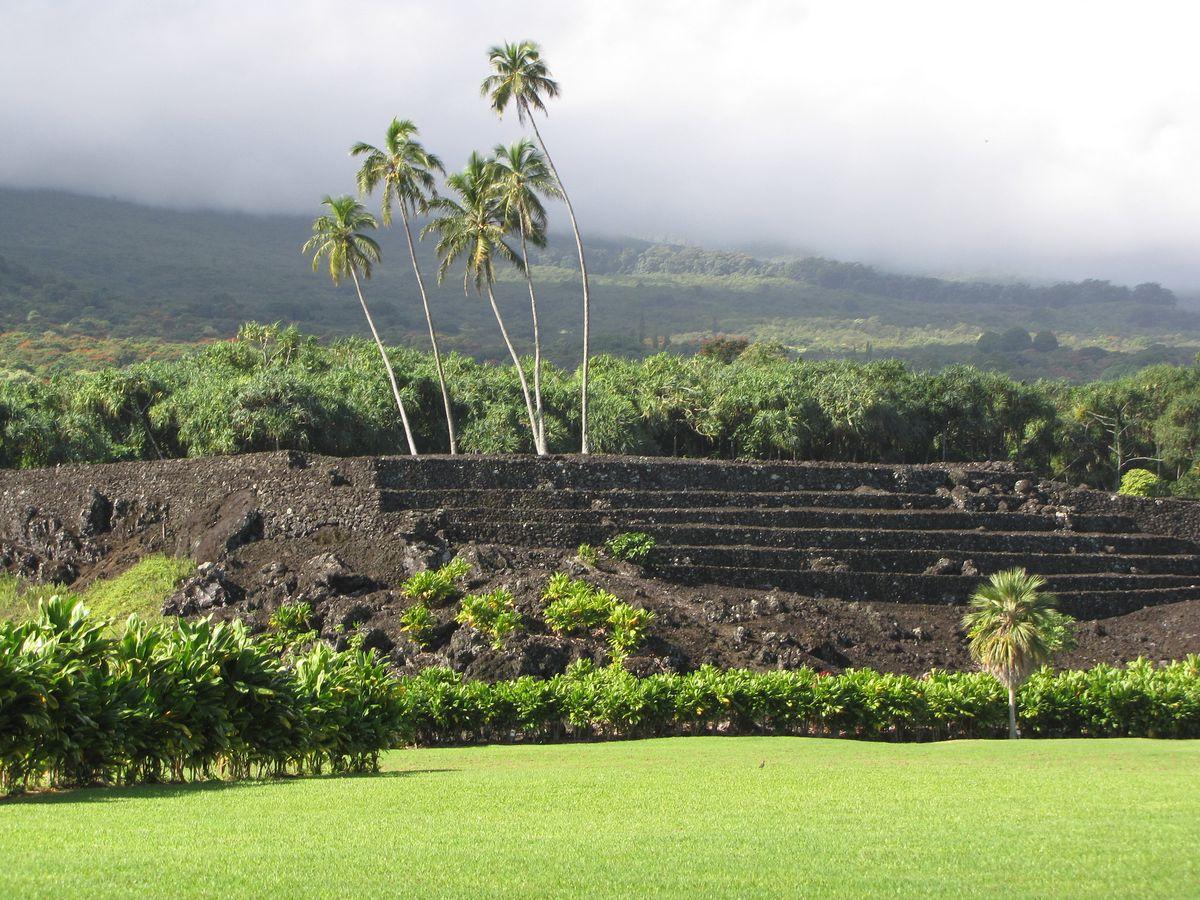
pixel 404 170
pixel 339 238
pixel 1014 628
pixel 273 388
pixel 83 704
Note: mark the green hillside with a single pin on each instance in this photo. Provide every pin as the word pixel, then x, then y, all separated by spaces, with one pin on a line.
pixel 102 268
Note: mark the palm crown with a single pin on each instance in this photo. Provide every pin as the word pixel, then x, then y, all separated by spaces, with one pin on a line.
pixel 402 166
pixel 518 75
pixel 521 175
pixel 1014 626
pixel 473 226
pixel 337 236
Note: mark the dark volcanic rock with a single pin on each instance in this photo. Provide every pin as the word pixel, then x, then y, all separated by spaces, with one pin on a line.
pixel 208 589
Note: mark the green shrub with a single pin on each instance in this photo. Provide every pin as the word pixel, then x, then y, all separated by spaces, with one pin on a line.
pixel 1187 487
pixel 627 628
pixel 291 626
pixel 1141 483
pixel 434 587
pixel 492 613
pixel 418 622
pixel 588 555
pixel 81 704
pixel 631 546
pixel 573 607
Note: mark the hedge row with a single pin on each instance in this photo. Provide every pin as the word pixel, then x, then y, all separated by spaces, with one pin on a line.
pixel 79 705
pixel 1140 700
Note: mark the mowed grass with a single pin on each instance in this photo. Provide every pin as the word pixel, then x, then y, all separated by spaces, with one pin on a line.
pixel 684 816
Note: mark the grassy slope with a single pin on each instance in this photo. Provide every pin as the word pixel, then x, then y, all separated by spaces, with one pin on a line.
pixel 197 275
pixel 679 816
pixel 140 589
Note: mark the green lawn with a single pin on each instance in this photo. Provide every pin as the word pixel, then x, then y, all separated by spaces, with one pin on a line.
pixel 685 816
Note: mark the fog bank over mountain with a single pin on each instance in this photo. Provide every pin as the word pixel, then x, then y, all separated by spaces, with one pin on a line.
pixel 1035 140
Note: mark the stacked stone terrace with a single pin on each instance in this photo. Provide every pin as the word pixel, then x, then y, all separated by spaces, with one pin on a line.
pixel 916 534
pixel 882 533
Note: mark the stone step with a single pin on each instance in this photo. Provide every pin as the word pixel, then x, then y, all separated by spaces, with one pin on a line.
pixel 812 518
pixel 1187 565
pixel 1083 596
pixel 548 534
pixel 917 562
pixel 608 473
pixel 567 498
pixel 1104 604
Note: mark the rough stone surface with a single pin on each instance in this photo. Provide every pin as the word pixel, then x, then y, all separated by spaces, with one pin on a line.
pixel 758 564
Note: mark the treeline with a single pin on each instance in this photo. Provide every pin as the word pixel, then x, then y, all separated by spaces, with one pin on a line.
pixel 84 704
pixel 631 258
pixel 868 280
pixel 276 389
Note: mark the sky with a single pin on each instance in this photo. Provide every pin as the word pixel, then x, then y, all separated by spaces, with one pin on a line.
pixel 1031 139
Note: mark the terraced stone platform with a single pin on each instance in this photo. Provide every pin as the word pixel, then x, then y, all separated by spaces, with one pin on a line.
pixel 918 534
pixel 882 533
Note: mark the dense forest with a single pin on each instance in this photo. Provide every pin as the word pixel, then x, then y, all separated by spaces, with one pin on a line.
pixel 275 388
pixel 77 269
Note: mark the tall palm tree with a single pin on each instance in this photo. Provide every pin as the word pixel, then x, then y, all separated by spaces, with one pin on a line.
pixel 522 178
pixel 519 76
pixel 405 170
pixel 473 227
pixel 337 237
pixel 1014 628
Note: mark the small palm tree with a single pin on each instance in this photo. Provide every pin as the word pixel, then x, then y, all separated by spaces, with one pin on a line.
pixel 1015 628
pixel 405 170
pixel 473 228
pixel 337 237
pixel 522 179
pixel 520 77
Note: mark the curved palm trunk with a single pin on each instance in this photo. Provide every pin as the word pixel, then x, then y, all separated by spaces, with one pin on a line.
pixel 437 354
pixel 1012 713
pixel 585 446
pixel 387 364
pixel 537 347
pixel 520 372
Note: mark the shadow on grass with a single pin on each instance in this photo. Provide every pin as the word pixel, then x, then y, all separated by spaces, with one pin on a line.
pixel 158 791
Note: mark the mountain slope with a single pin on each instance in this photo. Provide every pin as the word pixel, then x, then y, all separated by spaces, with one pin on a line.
pixel 119 269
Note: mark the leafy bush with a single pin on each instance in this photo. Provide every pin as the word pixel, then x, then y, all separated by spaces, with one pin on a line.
pixel 492 613
pixel 1141 483
pixel 573 606
pixel 631 546
pixel 590 702
pixel 1187 487
pixel 588 555
pixel 286 391
pixel 418 622
pixel 627 626
pixel 291 626
pixel 434 587
pixel 179 699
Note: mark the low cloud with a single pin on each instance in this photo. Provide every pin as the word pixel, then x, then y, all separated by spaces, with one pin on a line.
pixel 1046 140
